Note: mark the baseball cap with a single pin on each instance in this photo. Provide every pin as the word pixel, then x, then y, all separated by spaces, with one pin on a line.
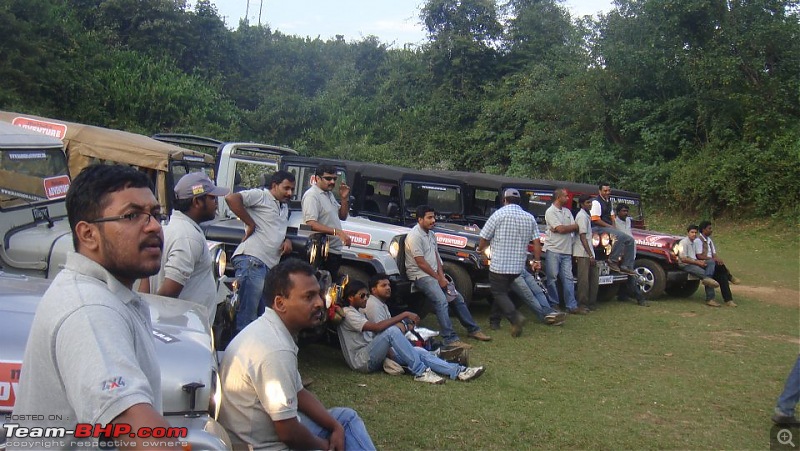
pixel 511 192
pixel 198 184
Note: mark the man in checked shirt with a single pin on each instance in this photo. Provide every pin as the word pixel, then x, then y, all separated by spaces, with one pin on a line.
pixel 509 231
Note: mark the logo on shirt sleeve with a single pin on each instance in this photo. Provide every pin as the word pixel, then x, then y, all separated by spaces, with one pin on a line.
pixel 113 383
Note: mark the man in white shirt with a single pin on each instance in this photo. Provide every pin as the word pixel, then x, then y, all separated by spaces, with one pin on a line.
pixel 588 277
pixel 186 263
pixel 265 214
pixel 688 261
pixel 707 251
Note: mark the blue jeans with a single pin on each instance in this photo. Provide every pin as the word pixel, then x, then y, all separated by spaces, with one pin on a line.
pixel 788 399
pixel 251 273
pixel 711 266
pixel 560 266
pixel 433 291
pixel 525 287
pixel 416 359
pixel 355 432
pixel 624 243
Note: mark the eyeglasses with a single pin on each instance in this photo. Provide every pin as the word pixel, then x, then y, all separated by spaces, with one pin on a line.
pixel 139 217
pixel 330 178
pixel 362 295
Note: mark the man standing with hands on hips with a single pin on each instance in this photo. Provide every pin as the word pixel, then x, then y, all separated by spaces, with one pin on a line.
pixel 324 214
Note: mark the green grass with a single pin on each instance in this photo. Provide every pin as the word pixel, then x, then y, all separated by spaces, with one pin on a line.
pixel 675 375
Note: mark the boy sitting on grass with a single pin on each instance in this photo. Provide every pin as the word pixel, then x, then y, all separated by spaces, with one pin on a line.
pixel 366 352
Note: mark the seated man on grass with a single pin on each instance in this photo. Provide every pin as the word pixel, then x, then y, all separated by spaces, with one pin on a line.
pixel 688 261
pixel 366 352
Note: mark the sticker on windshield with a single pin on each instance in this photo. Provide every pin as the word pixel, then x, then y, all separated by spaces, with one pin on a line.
pixel 435 188
pixel 27 156
pixel 9 383
pixel 451 240
pixel 53 129
pixel 56 187
pixel 358 238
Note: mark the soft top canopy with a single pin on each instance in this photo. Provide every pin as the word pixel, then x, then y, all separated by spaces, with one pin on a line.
pixel 85 142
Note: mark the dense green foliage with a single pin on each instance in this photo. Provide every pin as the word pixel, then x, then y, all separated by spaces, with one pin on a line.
pixel 694 103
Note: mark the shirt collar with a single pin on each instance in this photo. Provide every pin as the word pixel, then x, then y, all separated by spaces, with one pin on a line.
pixel 178 215
pixel 90 268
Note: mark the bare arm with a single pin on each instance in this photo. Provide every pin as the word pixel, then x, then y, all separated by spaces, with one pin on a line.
pixel 236 204
pixel 138 416
pixel 344 201
pixel 296 436
pixel 369 326
pixel 170 288
pixel 319 227
pixel 565 228
pixel 586 246
pixel 427 269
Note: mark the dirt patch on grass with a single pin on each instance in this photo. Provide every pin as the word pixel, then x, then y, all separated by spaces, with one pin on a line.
pixel 779 296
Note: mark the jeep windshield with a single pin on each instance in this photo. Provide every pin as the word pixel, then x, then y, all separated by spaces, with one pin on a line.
pixel 447 200
pixel 536 202
pixel 32 175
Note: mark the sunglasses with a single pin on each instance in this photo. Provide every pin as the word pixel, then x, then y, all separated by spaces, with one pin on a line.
pixel 362 295
pixel 330 178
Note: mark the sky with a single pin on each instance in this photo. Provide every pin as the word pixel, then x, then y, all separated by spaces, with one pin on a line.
pixel 395 22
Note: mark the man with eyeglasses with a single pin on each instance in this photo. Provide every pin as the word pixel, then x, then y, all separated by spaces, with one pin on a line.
pixel 186 265
pixel 265 214
pixel 90 356
pixel 324 214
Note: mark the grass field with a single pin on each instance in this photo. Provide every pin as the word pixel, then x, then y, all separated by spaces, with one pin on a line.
pixel 675 375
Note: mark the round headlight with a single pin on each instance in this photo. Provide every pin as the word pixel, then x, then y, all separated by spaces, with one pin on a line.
pixel 595 240
pixel 605 239
pixel 221 261
pixel 394 248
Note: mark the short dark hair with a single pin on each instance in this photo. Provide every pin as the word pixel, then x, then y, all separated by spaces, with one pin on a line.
pixel 376 278
pixel 692 226
pixel 278 282
pixel 583 198
pixel 602 184
pixel 279 176
pixel 182 205
pixel 513 200
pixel 353 287
pixel 88 194
pixel 422 210
pixel 703 225
pixel 324 168
pixel 621 207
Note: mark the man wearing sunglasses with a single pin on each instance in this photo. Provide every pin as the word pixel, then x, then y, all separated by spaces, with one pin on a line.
pixel 187 266
pixel 90 356
pixel 324 214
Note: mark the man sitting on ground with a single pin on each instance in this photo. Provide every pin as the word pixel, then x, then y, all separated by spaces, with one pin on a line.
pixel 366 352
pixel 688 261
pixel 265 405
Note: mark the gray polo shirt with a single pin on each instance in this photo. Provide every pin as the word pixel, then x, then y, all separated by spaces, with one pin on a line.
pixel 272 219
pixel 420 244
pixel 584 222
pixel 322 206
pixel 560 243
pixel 260 382
pixel 90 353
pixel 355 343
pixel 187 260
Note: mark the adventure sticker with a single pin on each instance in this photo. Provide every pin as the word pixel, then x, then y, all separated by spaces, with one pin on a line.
pixel 56 187
pixel 451 240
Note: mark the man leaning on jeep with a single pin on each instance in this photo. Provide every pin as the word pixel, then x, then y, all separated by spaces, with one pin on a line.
pixel 90 356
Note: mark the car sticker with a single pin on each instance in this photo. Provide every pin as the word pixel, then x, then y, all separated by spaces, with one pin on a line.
pixel 164 337
pixel 358 238
pixel 451 240
pixel 9 383
pixel 53 129
pixel 56 187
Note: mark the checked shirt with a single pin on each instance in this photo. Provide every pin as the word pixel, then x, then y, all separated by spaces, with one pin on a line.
pixel 509 230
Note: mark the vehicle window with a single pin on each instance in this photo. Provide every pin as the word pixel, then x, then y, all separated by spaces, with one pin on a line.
pixel 380 197
pixel 634 206
pixel 32 176
pixel 486 202
pixel 181 168
pixel 536 202
pixel 444 199
pixel 252 175
pixel 304 178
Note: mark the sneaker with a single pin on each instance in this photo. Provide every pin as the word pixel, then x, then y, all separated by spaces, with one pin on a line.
pixel 516 327
pixel 480 336
pixel 627 270
pixel 578 311
pixel 709 282
pixel 555 318
pixel 614 267
pixel 713 303
pixel 458 344
pixel 735 280
pixel 730 304
pixel 470 373
pixel 430 377
pixel 392 367
pixel 781 419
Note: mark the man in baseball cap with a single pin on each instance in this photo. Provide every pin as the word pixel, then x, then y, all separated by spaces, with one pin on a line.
pixel 186 263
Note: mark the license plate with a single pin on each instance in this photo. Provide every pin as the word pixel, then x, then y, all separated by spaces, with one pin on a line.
pixel 606 280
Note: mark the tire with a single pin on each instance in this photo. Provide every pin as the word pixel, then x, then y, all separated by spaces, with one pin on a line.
pixel 354 273
pixel 606 293
pixel 655 276
pixel 683 289
pixel 461 279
